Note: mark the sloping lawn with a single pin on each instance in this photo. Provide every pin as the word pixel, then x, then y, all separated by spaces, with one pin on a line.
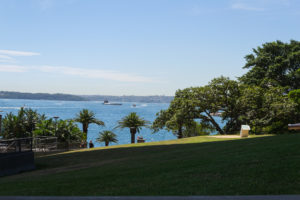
pixel 193 166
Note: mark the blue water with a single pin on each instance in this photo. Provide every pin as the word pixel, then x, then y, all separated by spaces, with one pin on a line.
pixel 107 113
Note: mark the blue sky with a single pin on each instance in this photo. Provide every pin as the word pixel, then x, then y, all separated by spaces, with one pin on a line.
pixel 127 47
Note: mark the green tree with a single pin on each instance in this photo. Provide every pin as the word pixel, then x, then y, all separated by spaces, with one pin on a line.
pixel 274 64
pixel 221 95
pixel 86 117
pixel 31 118
pixel 68 131
pixel 225 98
pixel 134 123
pixel 14 125
pixel 294 95
pixel 179 117
pixel 107 137
pixel 268 110
pixel 45 127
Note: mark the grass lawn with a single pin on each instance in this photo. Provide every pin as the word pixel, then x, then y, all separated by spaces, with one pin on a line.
pixel 192 166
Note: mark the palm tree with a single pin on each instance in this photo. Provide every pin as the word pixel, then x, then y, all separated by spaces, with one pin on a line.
pixel 86 117
pixel 31 118
pixel 134 123
pixel 107 137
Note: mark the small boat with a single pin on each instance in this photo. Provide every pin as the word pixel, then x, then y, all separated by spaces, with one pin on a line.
pixel 133 105
pixel 106 102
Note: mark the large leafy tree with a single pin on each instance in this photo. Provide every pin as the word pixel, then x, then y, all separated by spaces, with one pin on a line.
pixel 87 117
pixel 179 117
pixel 225 96
pixel 274 64
pixel 200 103
pixel 134 123
pixel 107 137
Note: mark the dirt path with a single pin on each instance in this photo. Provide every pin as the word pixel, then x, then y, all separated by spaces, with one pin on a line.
pixel 225 136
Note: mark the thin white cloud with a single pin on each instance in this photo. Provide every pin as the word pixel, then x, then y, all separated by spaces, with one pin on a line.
pixel 260 5
pixel 17 53
pixel 81 72
pixel 244 6
pixel 12 68
pixel 6 59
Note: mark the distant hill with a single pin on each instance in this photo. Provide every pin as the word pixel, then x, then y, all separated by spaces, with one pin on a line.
pixel 40 96
pixel 69 97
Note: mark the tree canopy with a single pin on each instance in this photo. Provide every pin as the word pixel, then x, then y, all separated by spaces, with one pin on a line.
pixel 266 97
pixel 274 64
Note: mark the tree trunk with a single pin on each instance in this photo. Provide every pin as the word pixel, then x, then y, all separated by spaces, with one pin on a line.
pixel 216 125
pixel 133 132
pixel 106 143
pixel 85 131
pixel 179 134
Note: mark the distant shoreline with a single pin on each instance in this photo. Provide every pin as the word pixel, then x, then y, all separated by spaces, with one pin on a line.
pixel 70 97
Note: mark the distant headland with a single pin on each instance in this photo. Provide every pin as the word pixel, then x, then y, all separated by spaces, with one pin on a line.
pixel 70 97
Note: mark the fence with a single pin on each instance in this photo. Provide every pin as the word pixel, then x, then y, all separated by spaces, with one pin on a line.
pixel 16 145
pixel 37 144
pixel 44 143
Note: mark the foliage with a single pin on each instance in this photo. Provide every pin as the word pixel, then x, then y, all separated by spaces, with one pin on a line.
pixel 179 117
pixel 220 95
pixel 294 95
pixel 68 131
pixel 45 128
pixel 196 129
pixel 29 123
pixel 107 137
pixel 268 110
pixel 87 117
pixel 134 123
pixel 275 64
pixel 20 125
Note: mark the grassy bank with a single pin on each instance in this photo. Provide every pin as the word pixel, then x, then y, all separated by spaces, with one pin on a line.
pixel 192 166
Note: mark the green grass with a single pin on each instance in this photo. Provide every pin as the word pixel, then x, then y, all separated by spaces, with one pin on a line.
pixel 192 166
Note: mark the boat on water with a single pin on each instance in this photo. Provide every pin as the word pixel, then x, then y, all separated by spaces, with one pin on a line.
pixel 106 102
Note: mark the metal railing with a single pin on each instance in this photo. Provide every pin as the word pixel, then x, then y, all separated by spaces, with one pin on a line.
pixel 16 145
pixel 44 143
pixel 37 144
